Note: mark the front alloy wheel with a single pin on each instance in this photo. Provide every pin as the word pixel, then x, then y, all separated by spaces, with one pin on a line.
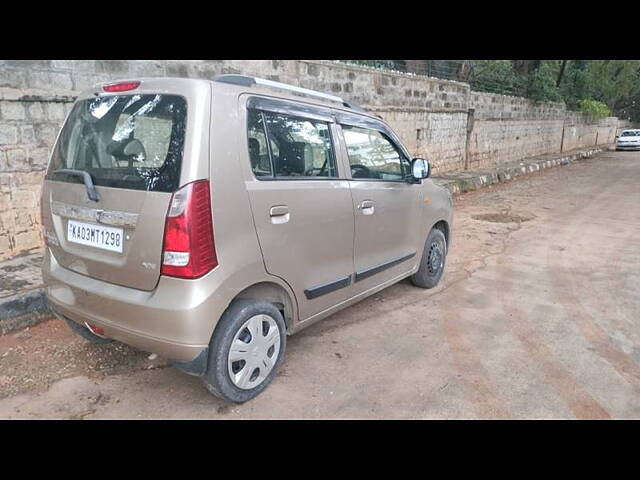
pixel 432 262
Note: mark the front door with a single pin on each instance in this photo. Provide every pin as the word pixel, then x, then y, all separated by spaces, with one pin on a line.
pixel 302 209
pixel 387 208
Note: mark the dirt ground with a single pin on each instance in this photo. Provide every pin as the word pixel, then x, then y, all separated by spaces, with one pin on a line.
pixel 537 316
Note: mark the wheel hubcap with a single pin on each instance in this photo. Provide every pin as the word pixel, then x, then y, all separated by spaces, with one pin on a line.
pixel 254 351
pixel 435 260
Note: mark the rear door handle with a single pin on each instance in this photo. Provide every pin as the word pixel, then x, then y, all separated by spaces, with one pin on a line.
pixel 279 214
pixel 367 207
pixel 279 210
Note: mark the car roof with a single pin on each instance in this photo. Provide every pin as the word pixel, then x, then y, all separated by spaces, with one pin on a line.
pixel 292 94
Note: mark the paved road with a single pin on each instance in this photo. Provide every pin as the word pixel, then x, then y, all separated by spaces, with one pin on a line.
pixel 538 316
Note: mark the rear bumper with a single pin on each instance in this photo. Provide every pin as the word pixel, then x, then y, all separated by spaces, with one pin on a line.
pixel 174 326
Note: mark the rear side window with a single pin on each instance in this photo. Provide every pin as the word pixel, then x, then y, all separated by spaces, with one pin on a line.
pixel 373 156
pixel 285 146
pixel 258 150
pixel 124 141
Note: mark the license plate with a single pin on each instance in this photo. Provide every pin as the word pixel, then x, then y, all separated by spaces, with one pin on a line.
pixel 99 236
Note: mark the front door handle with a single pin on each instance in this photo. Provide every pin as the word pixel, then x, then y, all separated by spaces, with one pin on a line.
pixel 367 207
pixel 279 214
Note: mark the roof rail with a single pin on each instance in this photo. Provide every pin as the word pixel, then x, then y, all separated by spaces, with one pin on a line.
pixel 248 81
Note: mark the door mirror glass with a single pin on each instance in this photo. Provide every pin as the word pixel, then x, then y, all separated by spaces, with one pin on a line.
pixel 420 168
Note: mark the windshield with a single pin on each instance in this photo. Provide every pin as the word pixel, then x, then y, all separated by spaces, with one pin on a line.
pixel 630 134
pixel 123 141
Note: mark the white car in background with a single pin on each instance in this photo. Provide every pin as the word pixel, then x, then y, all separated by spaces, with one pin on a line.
pixel 628 140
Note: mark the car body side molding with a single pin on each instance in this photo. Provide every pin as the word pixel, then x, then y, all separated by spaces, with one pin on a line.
pixel 315 292
pixel 372 271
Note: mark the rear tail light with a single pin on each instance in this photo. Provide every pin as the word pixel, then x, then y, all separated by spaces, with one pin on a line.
pixel 121 86
pixel 189 250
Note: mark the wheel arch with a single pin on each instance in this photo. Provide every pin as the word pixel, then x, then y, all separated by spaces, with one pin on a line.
pixel 443 226
pixel 273 293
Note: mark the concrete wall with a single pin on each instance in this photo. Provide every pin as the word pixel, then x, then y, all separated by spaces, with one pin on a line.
pixel 441 120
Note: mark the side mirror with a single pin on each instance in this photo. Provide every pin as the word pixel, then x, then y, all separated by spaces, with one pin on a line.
pixel 420 168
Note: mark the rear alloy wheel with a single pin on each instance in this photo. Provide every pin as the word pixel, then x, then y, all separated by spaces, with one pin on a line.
pixel 246 350
pixel 253 352
pixel 433 260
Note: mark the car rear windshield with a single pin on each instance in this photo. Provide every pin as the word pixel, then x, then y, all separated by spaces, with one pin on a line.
pixel 123 141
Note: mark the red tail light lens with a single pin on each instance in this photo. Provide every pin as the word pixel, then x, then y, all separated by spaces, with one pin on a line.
pixel 121 87
pixel 189 250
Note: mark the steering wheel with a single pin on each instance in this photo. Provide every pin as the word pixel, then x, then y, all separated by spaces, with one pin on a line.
pixel 360 171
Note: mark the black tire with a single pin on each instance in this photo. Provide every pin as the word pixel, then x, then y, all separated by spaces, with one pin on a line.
pixel 84 332
pixel 433 260
pixel 218 379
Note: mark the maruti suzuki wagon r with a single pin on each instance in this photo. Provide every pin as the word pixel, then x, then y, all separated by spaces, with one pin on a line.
pixel 206 220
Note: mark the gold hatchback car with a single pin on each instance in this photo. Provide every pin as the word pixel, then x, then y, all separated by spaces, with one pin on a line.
pixel 207 220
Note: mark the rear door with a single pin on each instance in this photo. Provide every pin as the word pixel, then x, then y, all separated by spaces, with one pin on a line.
pixel 301 205
pixel 388 210
pixel 132 147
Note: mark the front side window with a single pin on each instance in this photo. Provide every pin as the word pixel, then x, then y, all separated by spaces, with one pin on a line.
pixel 373 156
pixel 124 141
pixel 285 146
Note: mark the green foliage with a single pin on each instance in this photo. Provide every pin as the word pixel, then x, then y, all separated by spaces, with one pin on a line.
pixel 535 80
pixel 574 83
pixel 594 109
pixel 494 76
pixel 633 111
pixel 540 85
pixel 615 83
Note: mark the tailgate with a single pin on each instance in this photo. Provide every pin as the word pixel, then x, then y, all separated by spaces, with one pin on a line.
pixel 130 147
pixel 132 220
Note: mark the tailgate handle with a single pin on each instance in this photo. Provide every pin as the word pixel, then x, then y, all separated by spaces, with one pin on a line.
pixel 106 217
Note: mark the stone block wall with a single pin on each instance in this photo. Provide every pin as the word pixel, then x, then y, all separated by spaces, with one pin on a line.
pixel 28 129
pixel 442 120
pixel 493 142
pixel 439 136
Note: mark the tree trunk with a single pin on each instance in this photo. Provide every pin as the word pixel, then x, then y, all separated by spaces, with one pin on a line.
pixel 561 74
pixel 525 67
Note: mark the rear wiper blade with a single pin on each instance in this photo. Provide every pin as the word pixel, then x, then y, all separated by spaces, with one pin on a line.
pixel 88 182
